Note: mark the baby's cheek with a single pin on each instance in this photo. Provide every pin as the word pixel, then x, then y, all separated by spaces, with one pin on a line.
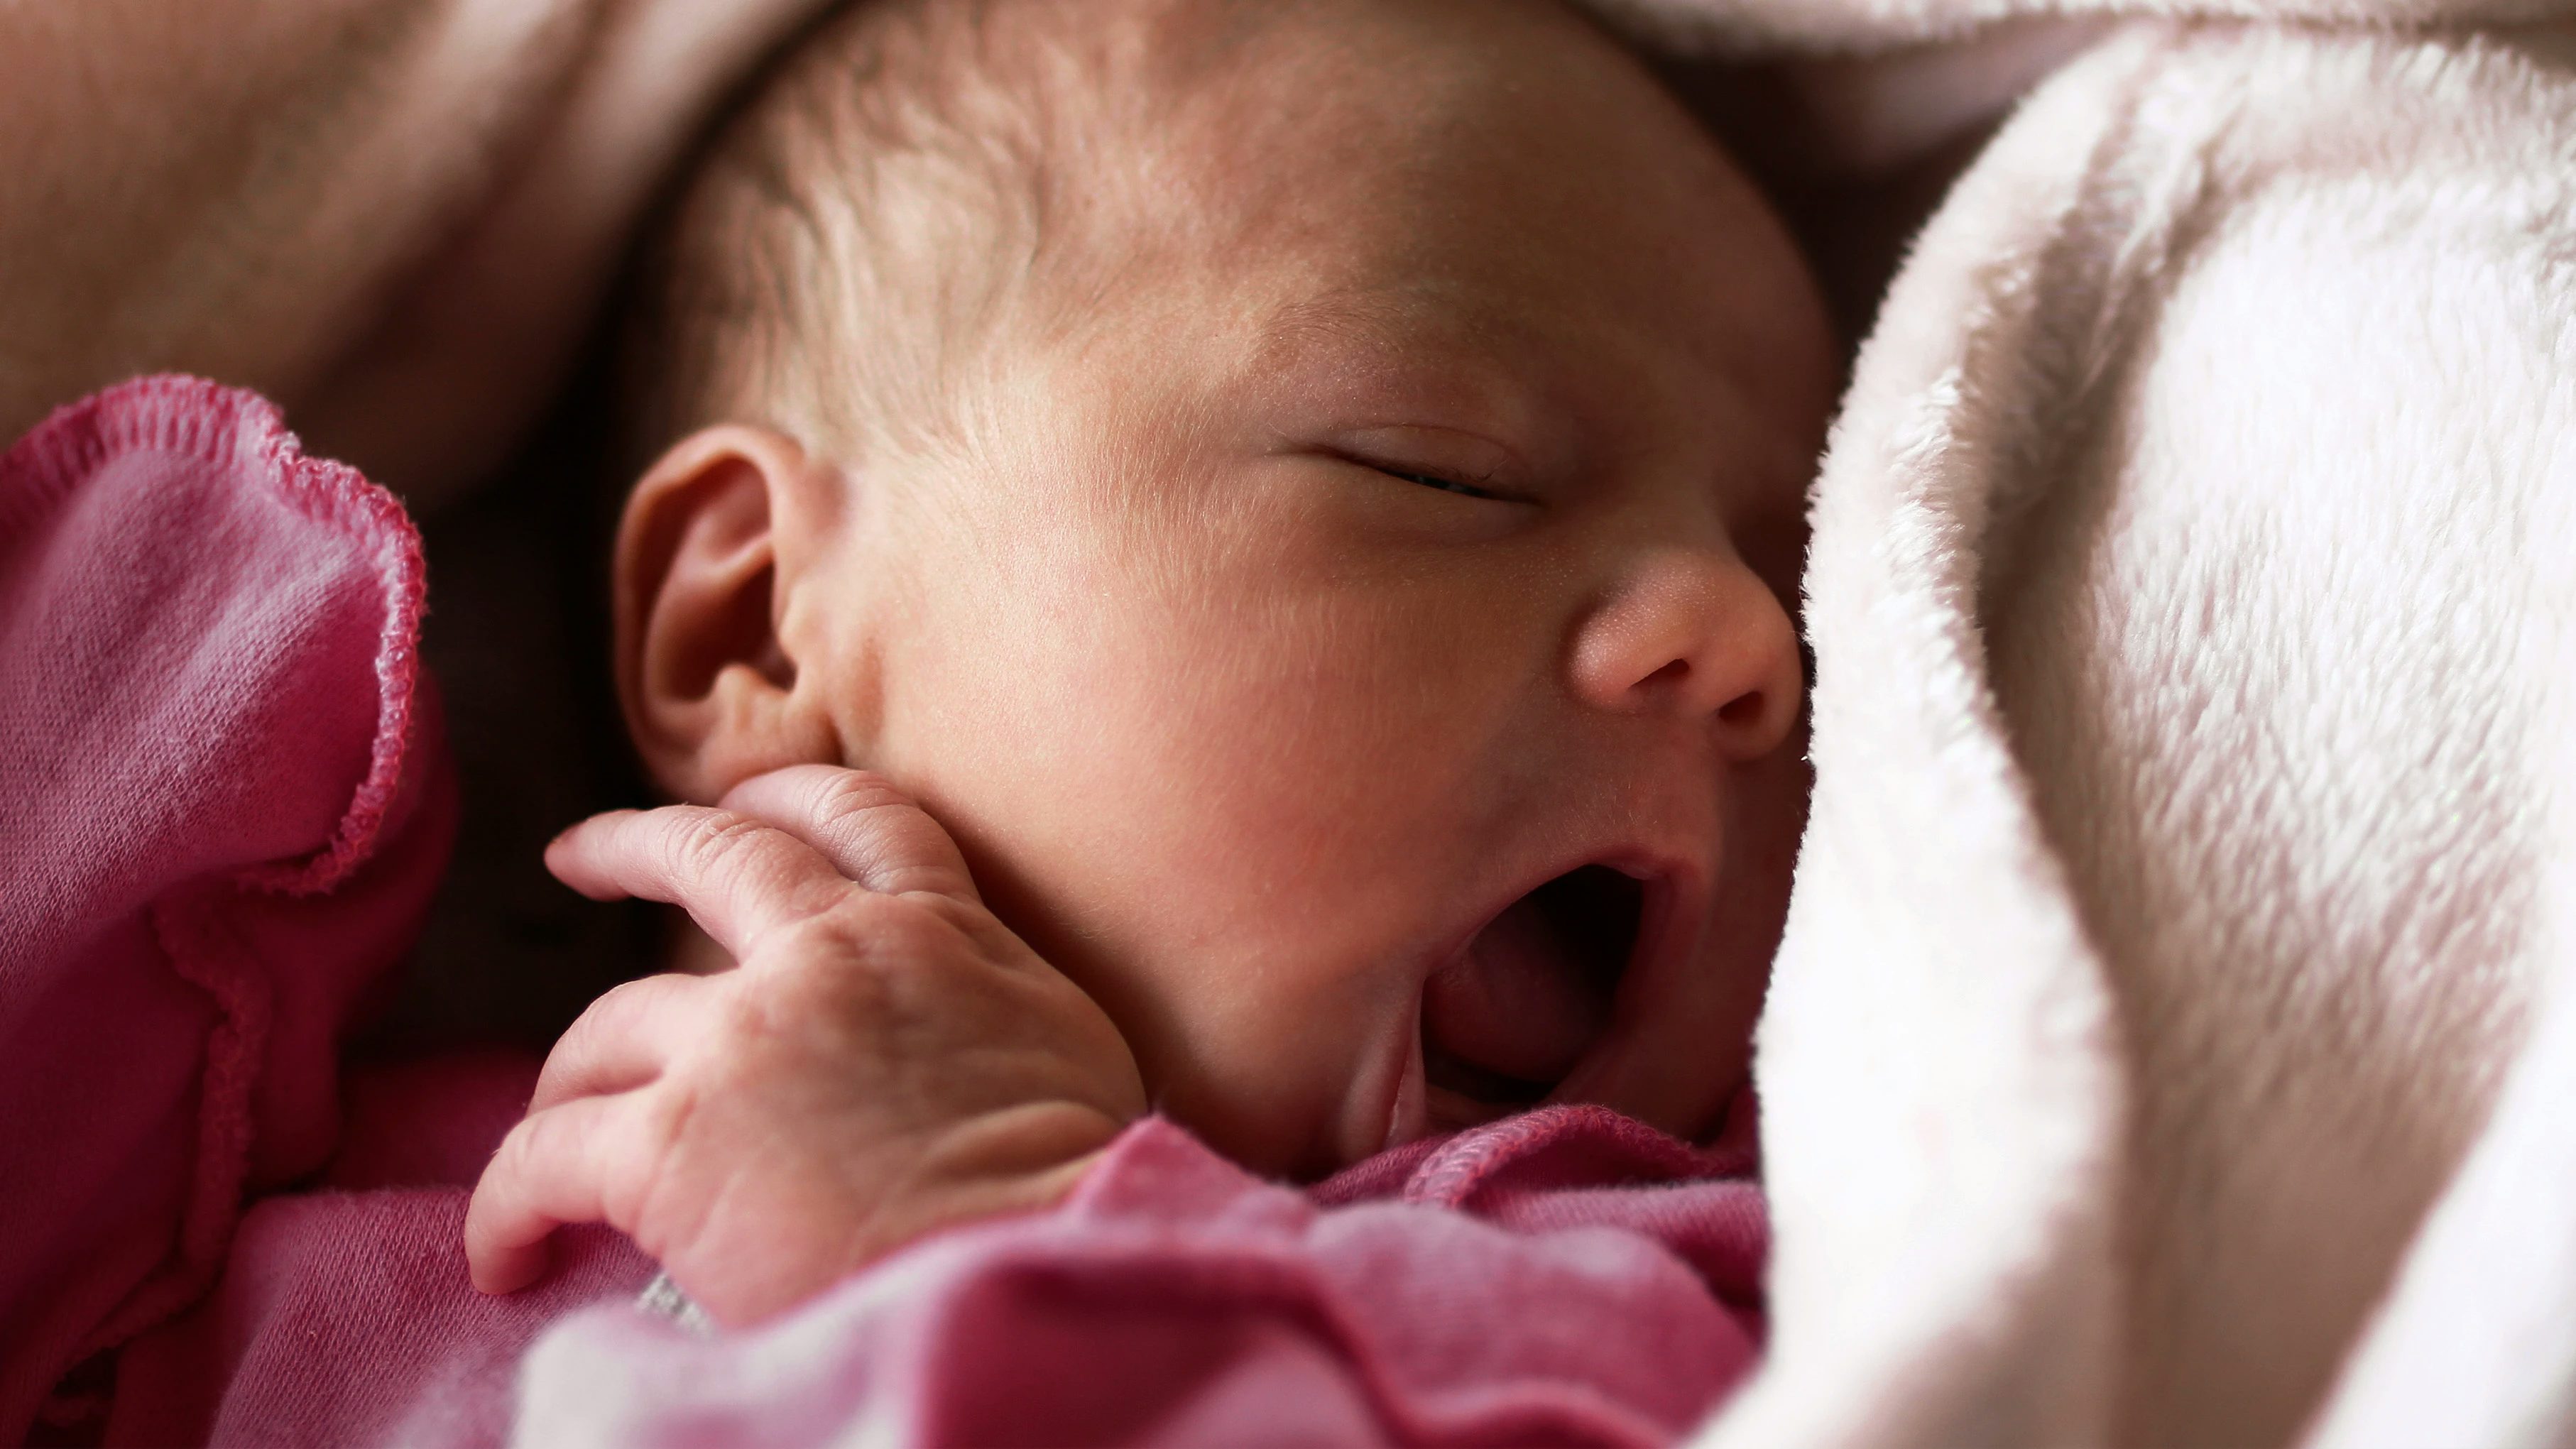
pixel 1224 806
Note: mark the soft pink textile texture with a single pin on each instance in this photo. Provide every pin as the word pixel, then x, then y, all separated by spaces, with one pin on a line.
pixel 1567 1277
pixel 344 1315
pixel 1563 1278
pixel 226 811
pixel 223 819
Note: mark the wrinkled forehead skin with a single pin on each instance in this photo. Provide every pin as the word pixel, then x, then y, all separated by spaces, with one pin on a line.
pixel 1497 170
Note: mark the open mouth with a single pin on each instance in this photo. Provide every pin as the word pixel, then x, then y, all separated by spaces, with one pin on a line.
pixel 1503 1024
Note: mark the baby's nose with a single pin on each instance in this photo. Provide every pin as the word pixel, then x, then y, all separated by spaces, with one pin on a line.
pixel 1695 631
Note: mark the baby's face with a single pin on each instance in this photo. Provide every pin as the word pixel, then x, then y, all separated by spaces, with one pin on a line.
pixel 1404 526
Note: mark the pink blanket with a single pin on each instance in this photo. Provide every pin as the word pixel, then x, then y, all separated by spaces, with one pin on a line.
pixel 227 809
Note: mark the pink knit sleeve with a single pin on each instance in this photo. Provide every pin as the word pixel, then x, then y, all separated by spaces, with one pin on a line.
pixel 226 809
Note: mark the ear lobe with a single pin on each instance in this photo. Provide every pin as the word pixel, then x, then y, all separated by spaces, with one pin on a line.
pixel 706 683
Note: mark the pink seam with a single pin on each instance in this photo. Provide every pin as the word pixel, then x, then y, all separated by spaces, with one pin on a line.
pixel 217 426
pixel 193 936
pixel 1453 1175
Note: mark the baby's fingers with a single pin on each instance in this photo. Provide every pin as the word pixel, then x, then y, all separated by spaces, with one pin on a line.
pixel 872 832
pixel 554 1169
pixel 624 1040
pixel 735 875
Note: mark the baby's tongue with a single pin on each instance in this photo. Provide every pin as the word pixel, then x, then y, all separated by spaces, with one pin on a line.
pixel 1517 1003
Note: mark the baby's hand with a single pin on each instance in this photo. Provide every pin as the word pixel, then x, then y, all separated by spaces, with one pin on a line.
pixel 886 1058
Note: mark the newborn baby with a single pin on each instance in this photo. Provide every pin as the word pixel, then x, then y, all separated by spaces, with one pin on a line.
pixel 1221 557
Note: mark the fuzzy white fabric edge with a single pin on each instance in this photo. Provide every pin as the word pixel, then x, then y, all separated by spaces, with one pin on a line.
pixel 2105 1081
pixel 1860 27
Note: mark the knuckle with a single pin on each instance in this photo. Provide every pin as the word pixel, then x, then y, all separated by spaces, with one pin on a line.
pixel 623 1002
pixel 957 919
pixel 646 1199
pixel 784 1026
pixel 714 842
pixel 859 807
pixel 843 959
pixel 848 794
pixel 776 1005
pixel 853 944
pixel 747 1014
pixel 814 1007
pixel 901 930
pixel 668 1110
pixel 518 1152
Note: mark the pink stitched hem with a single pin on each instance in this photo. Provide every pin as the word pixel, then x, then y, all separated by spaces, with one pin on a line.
pixel 224 427
pixel 240 433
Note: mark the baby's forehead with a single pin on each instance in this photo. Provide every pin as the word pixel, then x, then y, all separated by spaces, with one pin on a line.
pixel 1168 101
pixel 1401 174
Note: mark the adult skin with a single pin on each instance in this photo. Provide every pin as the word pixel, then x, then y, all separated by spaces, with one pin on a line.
pixel 395 217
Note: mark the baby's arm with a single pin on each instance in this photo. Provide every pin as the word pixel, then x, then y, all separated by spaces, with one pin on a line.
pixel 887 1058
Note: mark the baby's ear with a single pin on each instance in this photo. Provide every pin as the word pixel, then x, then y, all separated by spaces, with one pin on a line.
pixel 707 685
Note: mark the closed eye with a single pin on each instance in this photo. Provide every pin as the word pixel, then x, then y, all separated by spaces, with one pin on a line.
pixel 1445 485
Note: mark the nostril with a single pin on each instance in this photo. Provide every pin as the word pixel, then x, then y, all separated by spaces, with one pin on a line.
pixel 1670 675
pixel 1744 711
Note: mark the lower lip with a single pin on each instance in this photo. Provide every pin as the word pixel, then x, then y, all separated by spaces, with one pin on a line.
pixel 1408 1111
pixel 1407 1115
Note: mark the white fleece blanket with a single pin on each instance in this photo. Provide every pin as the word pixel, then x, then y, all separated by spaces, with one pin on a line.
pixel 2171 1042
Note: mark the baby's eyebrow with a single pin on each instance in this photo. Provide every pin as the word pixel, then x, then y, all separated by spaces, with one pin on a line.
pixel 1394 318
pixel 1422 345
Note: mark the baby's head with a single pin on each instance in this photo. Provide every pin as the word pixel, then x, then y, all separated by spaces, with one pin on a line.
pixel 1305 490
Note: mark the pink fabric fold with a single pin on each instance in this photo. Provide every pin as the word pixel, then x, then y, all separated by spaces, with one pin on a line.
pixel 344 1315
pixel 1567 1277
pixel 1563 1278
pixel 226 813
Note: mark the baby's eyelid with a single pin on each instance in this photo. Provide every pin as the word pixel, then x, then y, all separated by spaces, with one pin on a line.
pixel 1477 487
pixel 1444 483
pixel 1436 458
